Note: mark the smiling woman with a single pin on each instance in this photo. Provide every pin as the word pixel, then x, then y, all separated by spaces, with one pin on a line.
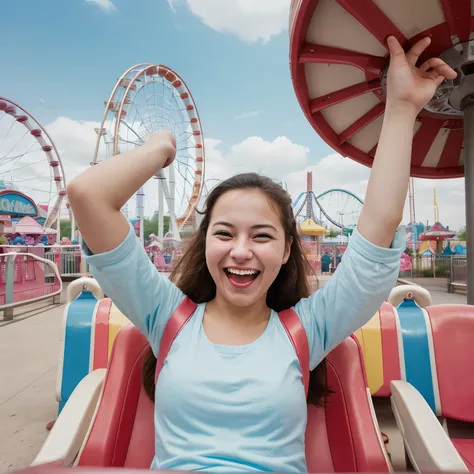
pixel 243 265
pixel 231 392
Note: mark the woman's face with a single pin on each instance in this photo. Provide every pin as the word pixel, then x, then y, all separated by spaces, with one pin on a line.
pixel 245 246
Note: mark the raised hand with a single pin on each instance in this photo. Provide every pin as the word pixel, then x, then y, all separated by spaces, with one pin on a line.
pixel 162 142
pixel 409 85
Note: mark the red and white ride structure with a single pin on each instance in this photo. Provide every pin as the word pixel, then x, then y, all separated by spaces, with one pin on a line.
pixel 148 98
pixel 339 62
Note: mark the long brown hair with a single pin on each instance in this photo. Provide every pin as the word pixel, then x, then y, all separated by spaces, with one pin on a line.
pixel 192 276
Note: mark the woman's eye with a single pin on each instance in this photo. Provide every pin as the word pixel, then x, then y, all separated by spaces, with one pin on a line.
pixel 263 236
pixel 223 233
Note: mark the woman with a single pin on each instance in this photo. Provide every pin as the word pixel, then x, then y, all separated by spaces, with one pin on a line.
pixel 229 397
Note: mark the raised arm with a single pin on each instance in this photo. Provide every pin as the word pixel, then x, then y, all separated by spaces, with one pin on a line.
pixel 97 195
pixel 116 257
pixel 370 265
pixel 409 89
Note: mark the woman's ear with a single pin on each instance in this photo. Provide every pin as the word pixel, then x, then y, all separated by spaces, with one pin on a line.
pixel 286 255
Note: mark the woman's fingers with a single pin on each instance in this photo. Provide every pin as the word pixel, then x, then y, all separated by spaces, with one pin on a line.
pixel 439 80
pixel 394 47
pixel 438 65
pixel 415 52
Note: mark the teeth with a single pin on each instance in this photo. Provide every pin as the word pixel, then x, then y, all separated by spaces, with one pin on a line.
pixel 242 272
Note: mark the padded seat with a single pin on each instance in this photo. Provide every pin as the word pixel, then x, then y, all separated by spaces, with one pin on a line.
pixel 445 390
pixel 343 437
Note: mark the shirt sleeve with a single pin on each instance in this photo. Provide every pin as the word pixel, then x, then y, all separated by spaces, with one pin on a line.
pixel 361 283
pixel 131 281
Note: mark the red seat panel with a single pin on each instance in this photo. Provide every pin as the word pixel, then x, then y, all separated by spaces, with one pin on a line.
pixel 465 448
pixel 341 438
pixel 453 336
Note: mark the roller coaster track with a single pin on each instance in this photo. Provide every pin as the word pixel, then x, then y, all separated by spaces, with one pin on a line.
pixel 316 198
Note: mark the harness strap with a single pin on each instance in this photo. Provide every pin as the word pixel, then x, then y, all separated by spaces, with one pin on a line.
pixel 176 322
pixel 297 334
pixel 290 320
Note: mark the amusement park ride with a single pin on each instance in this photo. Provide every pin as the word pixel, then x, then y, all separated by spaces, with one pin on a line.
pixel 337 207
pixel 412 353
pixel 30 166
pixel 148 98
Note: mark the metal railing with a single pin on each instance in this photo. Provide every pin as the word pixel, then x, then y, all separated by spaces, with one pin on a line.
pixel 67 258
pixel 452 267
pixel 459 270
pixel 26 278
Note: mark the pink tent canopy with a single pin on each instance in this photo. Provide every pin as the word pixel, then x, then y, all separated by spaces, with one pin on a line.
pixel 27 225
pixel 437 232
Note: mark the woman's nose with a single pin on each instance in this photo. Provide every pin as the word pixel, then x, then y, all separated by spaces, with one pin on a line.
pixel 241 250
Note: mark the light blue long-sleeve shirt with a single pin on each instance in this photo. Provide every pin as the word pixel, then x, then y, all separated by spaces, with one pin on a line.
pixel 241 408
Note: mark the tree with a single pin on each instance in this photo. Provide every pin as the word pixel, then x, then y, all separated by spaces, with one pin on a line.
pixel 65 226
pixel 151 226
pixel 462 235
pixel 332 233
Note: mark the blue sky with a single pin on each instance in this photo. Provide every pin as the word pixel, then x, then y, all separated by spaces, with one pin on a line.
pixel 63 57
pixel 69 53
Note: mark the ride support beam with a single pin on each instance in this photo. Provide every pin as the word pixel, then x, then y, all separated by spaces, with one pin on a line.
pixel 469 184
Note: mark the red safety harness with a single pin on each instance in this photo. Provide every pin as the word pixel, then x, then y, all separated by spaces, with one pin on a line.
pixel 290 320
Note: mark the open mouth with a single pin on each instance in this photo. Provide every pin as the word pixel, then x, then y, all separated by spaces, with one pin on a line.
pixel 241 278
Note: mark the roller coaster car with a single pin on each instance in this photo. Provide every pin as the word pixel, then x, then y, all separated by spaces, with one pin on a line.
pixel 442 439
pixel 108 420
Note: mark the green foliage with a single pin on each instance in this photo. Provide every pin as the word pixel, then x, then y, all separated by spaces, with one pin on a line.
pixel 462 235
pixel 427 272
pixel 332 233
pixel 443 268
pixel 151 226
pixel 65 228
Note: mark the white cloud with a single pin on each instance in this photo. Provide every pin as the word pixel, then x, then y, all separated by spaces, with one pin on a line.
pixel 280 159
pixel 245 115
pixel 287 161
pixel 105 5
pixel 255 154
pixel 249 20
pixel 450 196
pixel 75 142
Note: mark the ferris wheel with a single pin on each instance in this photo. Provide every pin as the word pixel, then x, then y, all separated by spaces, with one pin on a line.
pixel 30 162
pixel 148 98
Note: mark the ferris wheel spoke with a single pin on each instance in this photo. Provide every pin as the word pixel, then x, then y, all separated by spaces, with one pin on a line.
pixel 21 179
pixel 137 144
pixel 185 139
pixel 16 144
pixel 29 164
pixel 141 118
pixel 132 130
pixel 4 160
pixel 7 134
pixel 169 119
pixel 147 103
pixel 184 177
pixel 38 190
